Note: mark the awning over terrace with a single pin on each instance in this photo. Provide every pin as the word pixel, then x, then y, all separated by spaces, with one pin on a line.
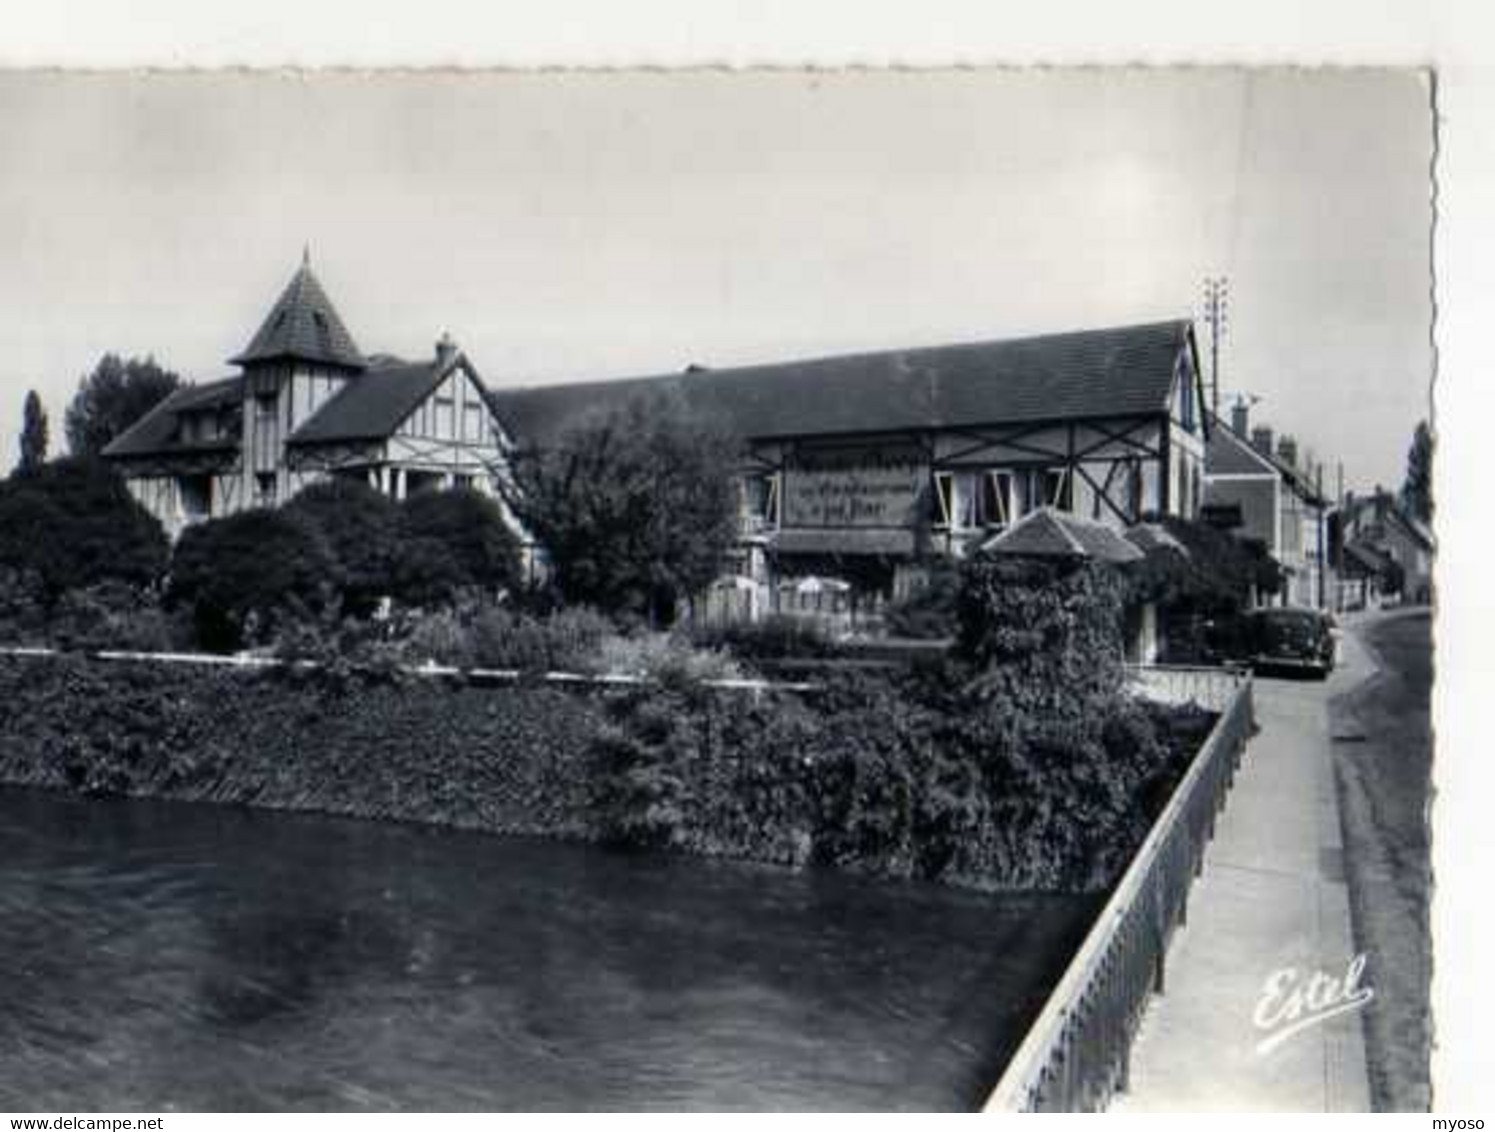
pixel 844 540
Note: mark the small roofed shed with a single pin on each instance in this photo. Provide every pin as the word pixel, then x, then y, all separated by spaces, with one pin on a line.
pixel 1050 533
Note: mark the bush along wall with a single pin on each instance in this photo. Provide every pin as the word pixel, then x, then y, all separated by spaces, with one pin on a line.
pixel 1019 762
pixel 501 759
pixel 1015 762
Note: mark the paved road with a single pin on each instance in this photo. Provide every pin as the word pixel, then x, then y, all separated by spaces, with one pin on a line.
pixel 1272 898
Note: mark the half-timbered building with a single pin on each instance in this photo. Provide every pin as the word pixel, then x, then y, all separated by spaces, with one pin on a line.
pixel 855 471
pixel 306 405
pixel 863 468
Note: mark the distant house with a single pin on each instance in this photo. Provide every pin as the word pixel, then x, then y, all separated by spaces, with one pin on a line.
pixel 306 405
pixel 1383 551
pixel 1264 495
pixel 861 468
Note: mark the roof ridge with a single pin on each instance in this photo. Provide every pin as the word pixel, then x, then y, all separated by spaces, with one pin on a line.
pixel 709 373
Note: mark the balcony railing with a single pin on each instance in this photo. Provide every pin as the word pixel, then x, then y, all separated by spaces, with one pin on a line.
pixel 1076 1055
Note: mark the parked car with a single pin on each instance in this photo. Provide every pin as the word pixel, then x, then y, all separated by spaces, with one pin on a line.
pixel 1281 638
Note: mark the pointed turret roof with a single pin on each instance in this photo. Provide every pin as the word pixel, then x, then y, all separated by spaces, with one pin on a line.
pixel 303 325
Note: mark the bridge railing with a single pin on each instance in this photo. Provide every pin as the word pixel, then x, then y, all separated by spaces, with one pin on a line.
pixel 1076 1054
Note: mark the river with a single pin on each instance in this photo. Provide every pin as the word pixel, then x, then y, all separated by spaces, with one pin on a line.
pixel 165 956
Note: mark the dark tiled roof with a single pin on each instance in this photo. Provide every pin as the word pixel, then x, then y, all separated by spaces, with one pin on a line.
pixel 1047 533
pixel 1094 373
pixel 1363 558
pixel 372 405
pixel 305 325
pixel 156 433
pixel 1227 453
pixel 1154 536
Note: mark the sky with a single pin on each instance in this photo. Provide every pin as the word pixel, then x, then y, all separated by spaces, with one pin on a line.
pixel 575 226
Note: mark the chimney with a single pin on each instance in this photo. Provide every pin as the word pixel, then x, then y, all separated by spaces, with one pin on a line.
pixel 1261 439
pixel 1240 417
pixel 1287 451
pixel 446 350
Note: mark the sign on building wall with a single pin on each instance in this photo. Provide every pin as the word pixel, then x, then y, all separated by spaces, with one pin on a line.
pixel 854 487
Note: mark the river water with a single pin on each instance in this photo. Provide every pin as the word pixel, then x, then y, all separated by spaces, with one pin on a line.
pixel 164 956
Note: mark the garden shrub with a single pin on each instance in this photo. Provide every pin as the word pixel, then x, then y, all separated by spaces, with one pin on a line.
pixel 360 526
pixel 776 637
pixel 668 658
pixel 72 523
pixel 23 609
pixel 243 576
pixel 567 640
pixel 1051 627
pixel 113 615
pixel 930 612
pixel 452 541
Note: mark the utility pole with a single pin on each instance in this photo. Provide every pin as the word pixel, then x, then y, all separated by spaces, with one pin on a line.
pixel 1216 317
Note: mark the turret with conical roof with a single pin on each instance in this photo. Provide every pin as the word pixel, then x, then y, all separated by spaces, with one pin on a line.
pixel 303 325
pixel 298 360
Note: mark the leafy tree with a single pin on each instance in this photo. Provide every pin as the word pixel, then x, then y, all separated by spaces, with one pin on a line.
pixel 33 434
pixel 1417 488
pixel 361 527
pixel 634 510
pixel 112 398
pixel 1215 573
pixel 244 574
pixel 72 523
pixel 453 540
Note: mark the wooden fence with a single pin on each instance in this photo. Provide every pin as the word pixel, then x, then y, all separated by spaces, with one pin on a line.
pixel 1076 1054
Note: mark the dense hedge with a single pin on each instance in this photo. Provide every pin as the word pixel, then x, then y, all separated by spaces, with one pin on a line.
pixel 896 775
pixel 901 776
pixel 1015 761
pixel 504 759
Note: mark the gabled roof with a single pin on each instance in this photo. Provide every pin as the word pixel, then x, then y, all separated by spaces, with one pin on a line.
pixel 1362 557
pixel 1121 371
pixel 156 433
pixel 1387 507
pixel 304 325
pixel 372 405
pixel 1228 453
pixel 1049 533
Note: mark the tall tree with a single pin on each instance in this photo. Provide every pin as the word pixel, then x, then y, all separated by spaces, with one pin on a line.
pixel 33 434
pixel 1417 488
pixel 634 510
pixel 112 398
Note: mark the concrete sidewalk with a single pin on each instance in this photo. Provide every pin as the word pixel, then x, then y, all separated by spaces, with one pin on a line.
pixel 1272 896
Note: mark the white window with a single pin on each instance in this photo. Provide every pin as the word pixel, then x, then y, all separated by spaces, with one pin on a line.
pixel 1045 487
pixel 944 498
pixel 445 418
pixel 997 499
pixel 760 502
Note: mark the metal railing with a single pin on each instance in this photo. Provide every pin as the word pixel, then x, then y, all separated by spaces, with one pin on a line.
pixel 1076 1055
pixel 1209 688
pixel 428 669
